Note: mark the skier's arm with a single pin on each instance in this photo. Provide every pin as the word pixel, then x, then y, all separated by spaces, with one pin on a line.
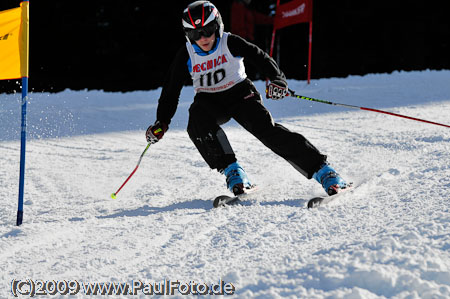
pixel 257 57
pixel 176 77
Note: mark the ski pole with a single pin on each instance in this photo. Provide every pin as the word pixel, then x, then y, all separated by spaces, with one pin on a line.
pixel 292 94
pixel 113 196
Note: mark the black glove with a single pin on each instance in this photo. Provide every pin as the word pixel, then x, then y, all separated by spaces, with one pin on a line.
pixel 277 90
pixel 156 131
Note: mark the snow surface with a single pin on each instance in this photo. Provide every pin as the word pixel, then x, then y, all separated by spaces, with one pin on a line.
pixel 390 238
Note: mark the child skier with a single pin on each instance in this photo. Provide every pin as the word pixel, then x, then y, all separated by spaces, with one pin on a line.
pixel 214 61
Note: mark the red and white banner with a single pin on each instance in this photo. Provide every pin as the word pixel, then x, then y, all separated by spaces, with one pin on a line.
pixel 293 12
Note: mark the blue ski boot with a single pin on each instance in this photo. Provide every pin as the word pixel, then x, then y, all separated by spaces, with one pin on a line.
pixel 329 179
pixel 237 180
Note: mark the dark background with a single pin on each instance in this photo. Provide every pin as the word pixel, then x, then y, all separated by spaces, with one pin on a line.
pixel 129 44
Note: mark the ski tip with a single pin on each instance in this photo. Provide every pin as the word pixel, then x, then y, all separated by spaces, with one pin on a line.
pixel 314 202
pixel 218 201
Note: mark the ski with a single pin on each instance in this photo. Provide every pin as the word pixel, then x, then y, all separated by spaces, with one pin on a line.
pixel 223 200
pixel 320 201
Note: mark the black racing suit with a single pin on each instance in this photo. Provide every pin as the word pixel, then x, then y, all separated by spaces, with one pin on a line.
pixel 243 103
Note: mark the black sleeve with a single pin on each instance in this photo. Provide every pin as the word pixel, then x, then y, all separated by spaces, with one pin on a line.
pixel 177 75
pixel 257 57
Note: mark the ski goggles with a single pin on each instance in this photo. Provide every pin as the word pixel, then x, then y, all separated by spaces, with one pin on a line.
pixel 206 31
